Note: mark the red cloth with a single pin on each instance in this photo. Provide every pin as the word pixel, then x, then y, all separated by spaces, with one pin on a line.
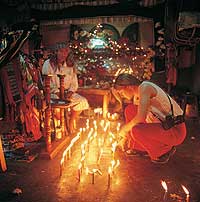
pixel 151 137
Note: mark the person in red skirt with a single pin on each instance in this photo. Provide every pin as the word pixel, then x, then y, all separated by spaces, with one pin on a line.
pixel 144 116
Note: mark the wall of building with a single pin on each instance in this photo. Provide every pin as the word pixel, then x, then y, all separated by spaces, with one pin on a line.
pixel 53 34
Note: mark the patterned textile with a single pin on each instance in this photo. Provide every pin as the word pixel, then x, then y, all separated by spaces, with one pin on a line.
pixel 10 77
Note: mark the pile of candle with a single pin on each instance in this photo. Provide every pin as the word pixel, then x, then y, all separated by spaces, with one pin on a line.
pixel 100 138
pixel 96 140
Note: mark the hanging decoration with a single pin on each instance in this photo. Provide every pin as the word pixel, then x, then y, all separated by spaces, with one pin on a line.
pixel 160 46
pixel 99 57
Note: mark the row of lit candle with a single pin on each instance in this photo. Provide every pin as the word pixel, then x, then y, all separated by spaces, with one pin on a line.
pixel 164 185
pixel 67 152
pixel 92 134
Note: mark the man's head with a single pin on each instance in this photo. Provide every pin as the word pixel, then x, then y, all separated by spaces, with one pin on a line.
pixel 62 54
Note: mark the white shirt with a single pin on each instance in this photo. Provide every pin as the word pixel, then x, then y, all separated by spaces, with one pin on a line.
pixel 47 69
pixel 160 105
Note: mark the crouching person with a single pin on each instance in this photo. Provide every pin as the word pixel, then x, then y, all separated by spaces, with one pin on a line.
pixel 144 126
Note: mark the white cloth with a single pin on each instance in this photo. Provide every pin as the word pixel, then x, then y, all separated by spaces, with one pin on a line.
pixel 70 80
pixel 160 105
pixel 70 84
pixel 47 69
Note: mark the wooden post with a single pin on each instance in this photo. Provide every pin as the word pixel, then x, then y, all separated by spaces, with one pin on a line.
pixel 2 158
pixel 47 122
pixel 62 86
pixel 62 111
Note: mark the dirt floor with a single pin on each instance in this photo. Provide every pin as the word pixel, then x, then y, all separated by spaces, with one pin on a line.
pixel 135 179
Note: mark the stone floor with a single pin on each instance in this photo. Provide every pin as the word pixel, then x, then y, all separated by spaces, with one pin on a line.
pixel 135 180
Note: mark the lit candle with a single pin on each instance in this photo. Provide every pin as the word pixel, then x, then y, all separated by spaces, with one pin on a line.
pixel 109 176
pixel 93 177
pixel 186 192
pixel 112 164
pixel 114 145
pixel 61 166
pixel 83 161
pixel 69 153
pixel 116 165
pixel 91 173
pixel 79 172
pixel 99 156
pixel 164 185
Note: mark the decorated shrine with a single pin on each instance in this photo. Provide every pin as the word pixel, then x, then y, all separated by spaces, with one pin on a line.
pixel 99 55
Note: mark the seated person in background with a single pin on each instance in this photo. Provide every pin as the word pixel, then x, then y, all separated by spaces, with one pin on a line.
pixel 71 86
pixel 150 105
pixel 58 64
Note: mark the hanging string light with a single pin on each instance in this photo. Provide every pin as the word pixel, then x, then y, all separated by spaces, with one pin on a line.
pixel 99 56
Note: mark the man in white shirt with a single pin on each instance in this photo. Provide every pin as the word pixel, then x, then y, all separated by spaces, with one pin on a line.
pixel 62 63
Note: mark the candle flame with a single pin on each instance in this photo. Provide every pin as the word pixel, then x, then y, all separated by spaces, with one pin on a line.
pixel 62 161
pixel 185 190
pixel 112 163
pixel 87 170
pixel 117 164
pixel 109 170
pixel 164 185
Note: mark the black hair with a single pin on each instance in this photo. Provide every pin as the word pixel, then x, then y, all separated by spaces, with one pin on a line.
pixel 126 79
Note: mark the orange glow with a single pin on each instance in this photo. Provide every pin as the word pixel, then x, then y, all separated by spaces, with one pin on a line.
pixel 164 185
